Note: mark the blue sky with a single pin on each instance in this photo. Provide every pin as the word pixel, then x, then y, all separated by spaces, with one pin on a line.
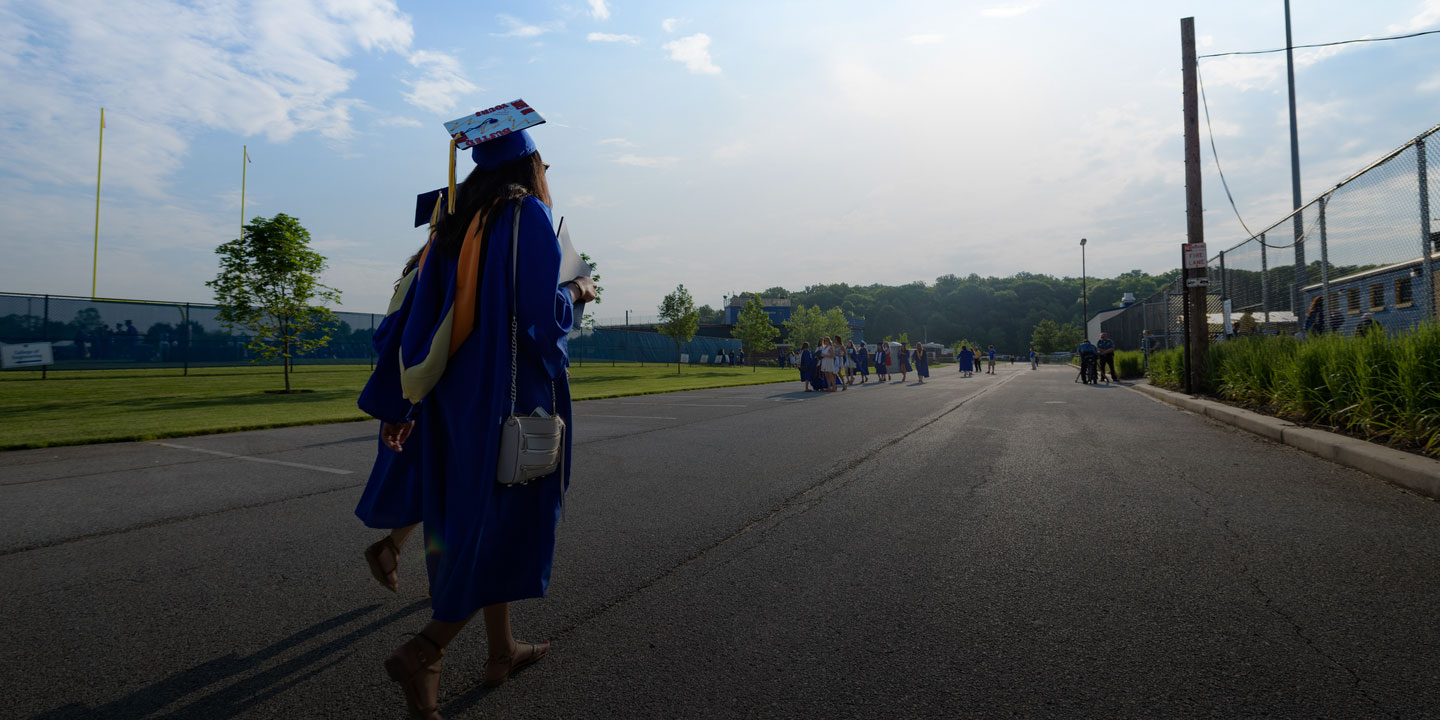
pixel 726 146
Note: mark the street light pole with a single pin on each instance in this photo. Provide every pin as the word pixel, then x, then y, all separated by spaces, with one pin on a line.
pixel 1084 294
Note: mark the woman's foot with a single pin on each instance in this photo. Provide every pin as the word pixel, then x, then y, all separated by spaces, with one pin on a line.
pixel 498 670
pixel 416 666
pixel 384 560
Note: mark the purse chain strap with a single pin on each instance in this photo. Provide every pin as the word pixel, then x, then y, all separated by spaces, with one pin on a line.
pixel 514 323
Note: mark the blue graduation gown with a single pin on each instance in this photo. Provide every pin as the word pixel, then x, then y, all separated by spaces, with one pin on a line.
pixel 485 543
pixel 807 363
pixel 864 362
pixel 922 364
pixel 967 361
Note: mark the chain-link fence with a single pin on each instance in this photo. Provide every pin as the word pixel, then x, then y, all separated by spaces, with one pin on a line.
pixel 611 346
pixel 108 334
pixel 1359 256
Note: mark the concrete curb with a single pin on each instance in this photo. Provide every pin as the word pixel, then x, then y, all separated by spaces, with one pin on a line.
pixel 1412 472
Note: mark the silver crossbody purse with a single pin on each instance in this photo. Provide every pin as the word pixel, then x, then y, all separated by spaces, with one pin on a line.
pixel 531 445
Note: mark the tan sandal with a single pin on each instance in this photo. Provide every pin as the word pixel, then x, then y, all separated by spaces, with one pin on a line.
pixel 526 653
pixel 416 666
pixel 388 578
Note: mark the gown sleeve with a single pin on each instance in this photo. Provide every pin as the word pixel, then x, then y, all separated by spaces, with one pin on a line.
pixel 382 397
pixel 545 311
pixel 423 348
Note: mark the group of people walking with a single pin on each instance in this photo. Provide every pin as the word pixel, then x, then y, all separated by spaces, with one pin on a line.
pixel 833 364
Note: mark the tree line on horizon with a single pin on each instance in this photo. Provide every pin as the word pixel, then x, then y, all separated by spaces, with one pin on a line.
pixel 1000 311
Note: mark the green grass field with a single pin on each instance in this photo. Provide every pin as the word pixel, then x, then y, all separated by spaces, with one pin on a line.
pixel 78 407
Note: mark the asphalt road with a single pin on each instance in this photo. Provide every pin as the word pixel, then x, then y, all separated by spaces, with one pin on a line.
pixel 1015 545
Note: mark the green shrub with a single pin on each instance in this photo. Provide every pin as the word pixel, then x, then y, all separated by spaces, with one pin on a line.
pixel 1130 363
pixel 1382 386
pixel 1167 368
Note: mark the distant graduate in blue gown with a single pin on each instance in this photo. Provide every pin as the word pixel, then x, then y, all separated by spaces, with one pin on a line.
pixel 922 363
pixel 807 366
pixel 967 361
pixel 862 356
pixel 444 365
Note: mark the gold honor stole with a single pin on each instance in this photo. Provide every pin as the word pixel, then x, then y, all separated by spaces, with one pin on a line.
pixel 459 318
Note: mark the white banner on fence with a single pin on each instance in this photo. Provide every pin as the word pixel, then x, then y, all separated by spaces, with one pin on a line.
pixel 20 355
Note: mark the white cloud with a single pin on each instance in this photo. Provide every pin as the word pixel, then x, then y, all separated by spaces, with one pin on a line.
pixel 669 24
pixel 441 86
pixel 732 153
pixel 1426 19
pixel 599 9
pixel 1008 11
pixel 398 121
pixel 165 69
pixel 1430 85
pixel 611 38
pixel 520 29
pixel 663 162
pixel 925 39
pixel 616 141
pixel 586 201
pixel 694 52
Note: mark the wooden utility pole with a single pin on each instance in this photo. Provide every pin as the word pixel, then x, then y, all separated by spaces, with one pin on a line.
pixel 1197 330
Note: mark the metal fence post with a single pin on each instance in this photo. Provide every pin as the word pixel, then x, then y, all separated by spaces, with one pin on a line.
pixel 45 331
pixel 1264 280
pixel 1224 289
pixel 1428 281
pixel 185 351
pixel 1324 265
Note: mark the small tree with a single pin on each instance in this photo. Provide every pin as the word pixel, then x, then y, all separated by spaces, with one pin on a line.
pixel 588 322
pixel 678 319
pixel 1045 337
pixel 833 323
pixel 803 325
pixel 265 286
pixel 754 329
pixel 1069 336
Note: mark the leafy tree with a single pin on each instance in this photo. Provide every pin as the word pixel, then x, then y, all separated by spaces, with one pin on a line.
pixel 1070 336
pixel 679 319
pixel 804 325
pixel 588 322
pixel 709 315
pixel 1045 337
pixel 776 292
pixel 267 281
pixel 754 329
pixel 833 323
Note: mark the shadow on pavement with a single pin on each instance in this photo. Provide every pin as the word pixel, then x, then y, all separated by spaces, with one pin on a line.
pixel 231 701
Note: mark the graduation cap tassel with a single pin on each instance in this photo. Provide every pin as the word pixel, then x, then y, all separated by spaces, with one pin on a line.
pixel 435 214
pixel 451 195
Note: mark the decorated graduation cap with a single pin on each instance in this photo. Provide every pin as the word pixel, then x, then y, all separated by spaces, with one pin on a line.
pixel 495 137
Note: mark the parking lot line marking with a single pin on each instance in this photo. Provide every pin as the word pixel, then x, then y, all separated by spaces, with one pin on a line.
pixel 631 402
pixel 637 417
pixel 302 466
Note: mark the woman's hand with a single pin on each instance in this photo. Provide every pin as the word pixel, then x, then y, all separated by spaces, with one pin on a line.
pixel 584 286
pixel 395 434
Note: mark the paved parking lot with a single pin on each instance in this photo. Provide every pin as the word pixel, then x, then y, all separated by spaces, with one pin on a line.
pixel 1009 545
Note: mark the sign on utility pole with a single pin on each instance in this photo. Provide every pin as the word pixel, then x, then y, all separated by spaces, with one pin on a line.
pixel 1197 323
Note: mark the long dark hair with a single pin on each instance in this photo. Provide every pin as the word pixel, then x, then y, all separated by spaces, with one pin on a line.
pixel 485 191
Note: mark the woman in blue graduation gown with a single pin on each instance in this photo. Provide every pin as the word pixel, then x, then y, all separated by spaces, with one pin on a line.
pixel 442 390
pixel 922 362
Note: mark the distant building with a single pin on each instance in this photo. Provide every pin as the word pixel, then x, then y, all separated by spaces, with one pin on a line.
pixel 778 308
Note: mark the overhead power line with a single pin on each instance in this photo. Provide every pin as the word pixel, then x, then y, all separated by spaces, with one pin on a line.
pixel 1319 45
pixel 1215 154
